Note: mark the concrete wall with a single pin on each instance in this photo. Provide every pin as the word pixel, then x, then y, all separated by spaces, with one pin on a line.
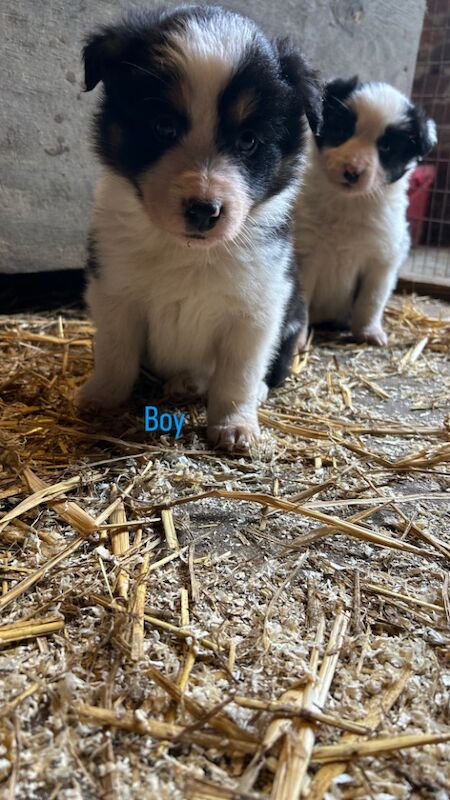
pixel 46 168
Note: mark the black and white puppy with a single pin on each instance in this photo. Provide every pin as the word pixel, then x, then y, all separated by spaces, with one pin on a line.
pixel 200 132
pixel 351 230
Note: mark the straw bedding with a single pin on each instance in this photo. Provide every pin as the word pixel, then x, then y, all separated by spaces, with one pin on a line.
pixel 181 624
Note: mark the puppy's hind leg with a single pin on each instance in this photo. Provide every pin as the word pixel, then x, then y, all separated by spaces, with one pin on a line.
pixel 117 349
pixel 302 338
pixel 294 330
pixel 281 365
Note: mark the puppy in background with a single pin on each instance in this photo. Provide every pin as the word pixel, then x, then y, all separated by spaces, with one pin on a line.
pixel 191 266
pixel 351 229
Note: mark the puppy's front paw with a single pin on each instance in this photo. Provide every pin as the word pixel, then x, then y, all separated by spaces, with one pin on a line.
pixel 99 394
pixel 234 436
pixel 372 334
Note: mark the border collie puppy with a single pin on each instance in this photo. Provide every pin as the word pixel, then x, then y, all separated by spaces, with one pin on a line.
pixel 200 131
pixel 351 229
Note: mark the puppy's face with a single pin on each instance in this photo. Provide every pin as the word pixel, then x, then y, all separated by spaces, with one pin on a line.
pixel 370 135
pixel 202 114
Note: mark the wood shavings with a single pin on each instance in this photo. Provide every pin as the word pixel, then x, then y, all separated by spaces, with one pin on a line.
pixel 183 624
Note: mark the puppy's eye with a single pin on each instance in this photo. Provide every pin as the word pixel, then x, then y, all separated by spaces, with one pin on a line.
pixel 384 146
pixel 166 128
pixel 246 142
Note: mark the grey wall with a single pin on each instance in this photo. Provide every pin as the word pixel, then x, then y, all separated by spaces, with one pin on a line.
pixel 46 168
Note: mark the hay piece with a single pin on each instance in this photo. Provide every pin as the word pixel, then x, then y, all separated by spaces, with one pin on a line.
pixel 169 529
pixel 277 728
pixel 69 511
pixel 206 790
pixel 137 609
pixel 10 707
pixel 375 588
pixel 180 633
pixel 333 523
pixel 43 494
pixel 188 666
pixel 446 596
pixel 382 745
pixel 373 719
pixel 190 656
pixel 75 516
pixel 291 776
pixel 137 723
pixel 19 631
pixel 290 710
pixel 217 720
pixel 414 352
pixel 24 585
pixel 120 542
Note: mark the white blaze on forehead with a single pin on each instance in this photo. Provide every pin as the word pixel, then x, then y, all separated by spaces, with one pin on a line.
pixel 378 105
pixel 207 52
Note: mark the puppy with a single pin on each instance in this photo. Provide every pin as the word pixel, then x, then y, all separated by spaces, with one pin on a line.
pixel 351 229
pixel 200 131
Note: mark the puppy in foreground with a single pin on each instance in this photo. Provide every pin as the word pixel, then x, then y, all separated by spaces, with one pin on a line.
pixel 200 131
pixel 351 229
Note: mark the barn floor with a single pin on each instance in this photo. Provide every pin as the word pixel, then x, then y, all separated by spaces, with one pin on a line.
pixel 180 624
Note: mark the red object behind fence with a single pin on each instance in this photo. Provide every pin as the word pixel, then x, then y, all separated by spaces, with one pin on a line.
pixel 419 193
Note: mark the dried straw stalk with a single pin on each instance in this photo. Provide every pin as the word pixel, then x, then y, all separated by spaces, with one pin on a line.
pixel 137 723
pixel 382 745
pixel 19 631
pixel 220 720
pixel 334 523
pixel 291 776
pixel 137 610
pixel 378 708
pixel 180 633
pixel 10 707
pixel 79 519
pixel 287 710
pixel 120 542
pixel 169 529
pixel 205 790
pixel 277 728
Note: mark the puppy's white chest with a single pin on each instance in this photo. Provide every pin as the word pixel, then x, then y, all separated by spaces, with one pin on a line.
pixel 331 258
pixel 184 319
pixel 335 282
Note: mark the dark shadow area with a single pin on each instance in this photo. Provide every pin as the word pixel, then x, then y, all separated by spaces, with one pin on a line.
pixel 41 291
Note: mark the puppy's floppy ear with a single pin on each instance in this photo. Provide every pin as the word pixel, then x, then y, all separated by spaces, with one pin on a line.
pixel 337 90
pixel 113 54
pixel 424 133
pixel 303 78
pixel 99 54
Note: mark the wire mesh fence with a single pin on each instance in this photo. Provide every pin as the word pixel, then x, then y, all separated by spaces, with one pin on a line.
pixel 429 211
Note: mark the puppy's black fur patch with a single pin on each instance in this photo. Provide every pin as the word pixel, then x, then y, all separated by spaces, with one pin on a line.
pixel 338 121
pixel 275 121
pixel 402 143
pixel 136 88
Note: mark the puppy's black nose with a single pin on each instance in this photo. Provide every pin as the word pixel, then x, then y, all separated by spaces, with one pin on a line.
pixel 202 215
pixel 351 176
